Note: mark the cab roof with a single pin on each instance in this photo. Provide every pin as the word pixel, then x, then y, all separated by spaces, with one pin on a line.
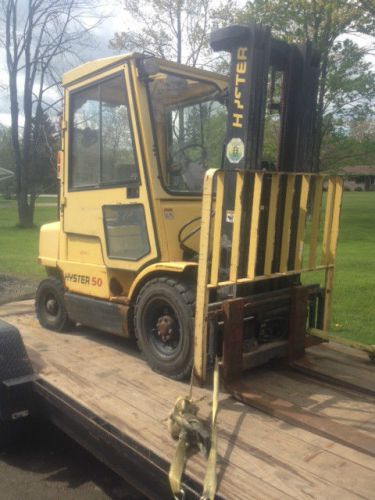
pixel 90 67
pixel 98 65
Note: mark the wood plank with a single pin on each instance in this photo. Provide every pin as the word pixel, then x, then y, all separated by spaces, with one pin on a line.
pixel 115 402
pixel 290 447
pixel 155 433
pixel 341 364
pixel 296 416
pixel 263 464
pixel 344 407
pixel 320 409
pixel 306 438
pixel 259 456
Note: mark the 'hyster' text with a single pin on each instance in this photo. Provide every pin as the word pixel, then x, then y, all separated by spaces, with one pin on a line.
pixel 83 279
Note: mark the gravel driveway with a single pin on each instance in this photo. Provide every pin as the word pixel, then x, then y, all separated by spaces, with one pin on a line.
pixel 12 288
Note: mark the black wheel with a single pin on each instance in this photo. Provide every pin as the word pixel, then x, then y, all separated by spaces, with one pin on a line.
pixel 164 319
pixel 50 305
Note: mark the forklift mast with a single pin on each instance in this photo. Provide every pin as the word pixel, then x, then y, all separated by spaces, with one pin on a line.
pixel 254 54
pixel 251 303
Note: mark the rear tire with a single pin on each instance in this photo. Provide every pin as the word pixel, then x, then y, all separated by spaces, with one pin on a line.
pixel 164 325
pixel 50 305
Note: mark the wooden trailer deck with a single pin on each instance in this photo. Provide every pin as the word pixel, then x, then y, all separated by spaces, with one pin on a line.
pixel 260 456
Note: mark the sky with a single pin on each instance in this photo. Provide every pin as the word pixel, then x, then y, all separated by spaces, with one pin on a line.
pixel 114 20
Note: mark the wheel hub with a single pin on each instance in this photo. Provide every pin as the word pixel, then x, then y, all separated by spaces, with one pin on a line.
pixel 51 306
pixel 166 328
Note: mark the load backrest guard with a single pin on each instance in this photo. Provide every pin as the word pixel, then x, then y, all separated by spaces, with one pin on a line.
pixel 262 219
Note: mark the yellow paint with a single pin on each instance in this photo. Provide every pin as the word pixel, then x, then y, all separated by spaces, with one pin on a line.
pixel 200 330
pixel 315 219
pixel 86 279
pixel 216 243
pixel 328 221
pixel 100 65
pixel 84 249
pixel 305 185
pixel 160 268
pixel 330 249
pixel 335 219
pixel 77 244
pixel 49 244
pixel 236 228
pixel 255 213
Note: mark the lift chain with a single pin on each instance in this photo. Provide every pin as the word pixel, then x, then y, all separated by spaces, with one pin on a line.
pixel 193 434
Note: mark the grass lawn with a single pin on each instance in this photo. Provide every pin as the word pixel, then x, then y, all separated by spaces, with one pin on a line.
pixel 354 290
pixel 354 287
pixel 19 247
pixel 40 200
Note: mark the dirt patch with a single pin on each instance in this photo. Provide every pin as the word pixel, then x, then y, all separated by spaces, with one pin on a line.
pixel 12 288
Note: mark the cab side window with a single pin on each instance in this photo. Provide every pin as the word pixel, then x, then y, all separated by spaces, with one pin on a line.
pixel 102 149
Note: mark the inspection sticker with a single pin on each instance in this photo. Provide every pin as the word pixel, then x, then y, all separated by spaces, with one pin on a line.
pixel 235 150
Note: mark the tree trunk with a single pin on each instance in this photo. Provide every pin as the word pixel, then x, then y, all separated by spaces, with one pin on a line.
pixel 25 210
pixel 325 48
pixel 179 32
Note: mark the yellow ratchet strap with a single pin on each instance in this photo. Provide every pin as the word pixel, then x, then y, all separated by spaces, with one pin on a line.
pixel 191 433
pixel 210 482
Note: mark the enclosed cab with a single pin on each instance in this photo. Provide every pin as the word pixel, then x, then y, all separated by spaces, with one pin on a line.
pixel 138 135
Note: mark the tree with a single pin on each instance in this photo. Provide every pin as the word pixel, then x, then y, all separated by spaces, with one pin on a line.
pixel 344 74
pixel 44 140
pixel 352 144
pixel 7 185
pixel 350 87
pixel 171 29
pixel 36 33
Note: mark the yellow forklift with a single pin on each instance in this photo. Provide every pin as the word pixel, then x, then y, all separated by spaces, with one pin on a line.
pixel 174 228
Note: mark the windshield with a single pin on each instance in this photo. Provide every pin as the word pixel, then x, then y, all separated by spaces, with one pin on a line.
pixel 190 121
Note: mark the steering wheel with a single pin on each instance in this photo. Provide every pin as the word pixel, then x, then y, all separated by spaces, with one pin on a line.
pixel 181 152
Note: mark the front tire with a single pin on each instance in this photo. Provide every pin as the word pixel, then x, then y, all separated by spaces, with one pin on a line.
pixel 50 305
pixel 164 326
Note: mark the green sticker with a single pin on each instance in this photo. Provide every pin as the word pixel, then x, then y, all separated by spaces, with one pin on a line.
pixel 235 150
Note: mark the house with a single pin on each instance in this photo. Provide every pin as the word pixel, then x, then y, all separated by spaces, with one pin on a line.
pixel 359 178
